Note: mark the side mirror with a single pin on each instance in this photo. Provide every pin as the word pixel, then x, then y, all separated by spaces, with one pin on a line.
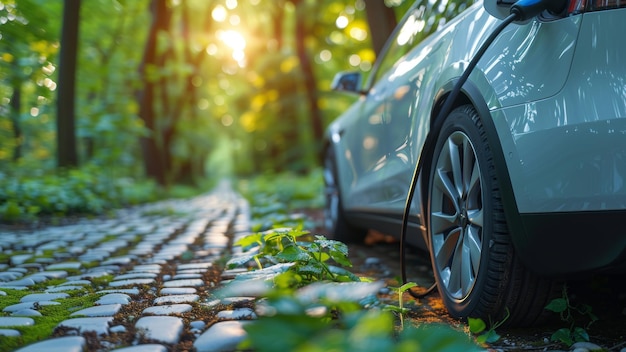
pixel 347 82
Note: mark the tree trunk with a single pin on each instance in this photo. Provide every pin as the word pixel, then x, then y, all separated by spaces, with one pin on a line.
pixel 306 65
pixel 67 155
pixel 154 164
pixel 382 21
pixel 16 107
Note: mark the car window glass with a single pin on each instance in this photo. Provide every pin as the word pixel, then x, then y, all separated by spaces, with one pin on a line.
pixel 409 35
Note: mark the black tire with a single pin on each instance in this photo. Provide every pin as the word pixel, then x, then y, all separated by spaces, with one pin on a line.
pixel 335 221
pixel 477 272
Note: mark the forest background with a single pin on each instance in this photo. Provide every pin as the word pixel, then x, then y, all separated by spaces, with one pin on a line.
pixel 105 103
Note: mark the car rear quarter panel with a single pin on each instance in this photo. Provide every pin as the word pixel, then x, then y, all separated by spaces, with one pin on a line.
pixel 565 148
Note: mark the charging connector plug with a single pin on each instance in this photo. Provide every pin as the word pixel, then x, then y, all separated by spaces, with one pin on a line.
pixel 527 9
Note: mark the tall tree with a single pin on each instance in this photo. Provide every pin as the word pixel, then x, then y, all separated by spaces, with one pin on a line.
pixel 310 83
pixel 382 21
pixel 67 155
pixel 154 163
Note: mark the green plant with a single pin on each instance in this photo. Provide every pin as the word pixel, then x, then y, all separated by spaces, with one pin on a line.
pixel 311 259
pixel 399 309
pixel 478 327
pixel 571 314
pixel 301 323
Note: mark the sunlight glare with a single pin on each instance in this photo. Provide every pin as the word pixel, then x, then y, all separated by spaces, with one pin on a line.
pixel 232 39
pixel 341 22
pixel 236 42
pixel 234 20
pixel 219 13
pixel 231 4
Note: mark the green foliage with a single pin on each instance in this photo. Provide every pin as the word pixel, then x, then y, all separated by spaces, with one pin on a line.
pixel 325 316
pixel 311 259
pixel 400 310
pixel 571 315
pixel 478 327
pixel 312 305
pixel 24 196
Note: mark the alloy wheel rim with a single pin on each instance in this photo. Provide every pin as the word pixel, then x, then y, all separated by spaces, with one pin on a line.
pixel 456 216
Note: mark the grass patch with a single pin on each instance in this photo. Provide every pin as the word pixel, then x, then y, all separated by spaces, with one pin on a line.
pixel 45 324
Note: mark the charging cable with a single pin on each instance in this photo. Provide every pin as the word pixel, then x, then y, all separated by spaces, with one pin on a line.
pixel 522 10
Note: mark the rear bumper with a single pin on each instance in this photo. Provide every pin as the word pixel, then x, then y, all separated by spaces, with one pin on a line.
pixel 559 244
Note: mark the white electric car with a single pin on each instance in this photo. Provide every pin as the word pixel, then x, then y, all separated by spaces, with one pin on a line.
pixel 525 183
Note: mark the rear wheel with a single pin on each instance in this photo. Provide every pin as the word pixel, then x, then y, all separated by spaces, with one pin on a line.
pixel 476 269
pixel 334 219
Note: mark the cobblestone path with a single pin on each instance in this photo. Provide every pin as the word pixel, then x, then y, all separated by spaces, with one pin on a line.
pixel 147 274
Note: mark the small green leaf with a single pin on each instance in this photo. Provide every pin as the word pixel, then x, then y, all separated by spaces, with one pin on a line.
pixel 476 325
pixel 293 254
pixel 249 240
pixel 557 305
pixel 580 335
pixel 562 335
pixel 407 286
pixel 491 336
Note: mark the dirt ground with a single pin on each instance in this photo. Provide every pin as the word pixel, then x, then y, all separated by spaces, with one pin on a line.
pixel 379 257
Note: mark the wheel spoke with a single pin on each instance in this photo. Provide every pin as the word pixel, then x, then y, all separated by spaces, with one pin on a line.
pixel 474 180
pixel 469 166
pixel 475 217
pixel 455 166
pixel 443 183
pixel 456 267
pixel 445 253
pixel 473 244
pixel 466 269
pixel 442 223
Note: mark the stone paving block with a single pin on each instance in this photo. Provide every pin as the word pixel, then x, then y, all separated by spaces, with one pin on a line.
pixel 15 284
pixel 100 325
pixel 143 348
pixel 26 313
pixel 161 328
pixel 223 336
pixel 131 282
pixel 76 282
pixel 105 310
pixel 10 276
pixel 9 333
pixel 60 344
pixel 237 314
pixel 194 266
pixel 143 275
pixel 175 299
pixel 114 298
pixel 64 288
pixel 65 265
pixel 38 297
pixel 184 283
pixel 186 276
pixel 172 309
pixel 177 291
pixel 128 291
pixel 146 268
pixel 15 321
pixel 20 259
